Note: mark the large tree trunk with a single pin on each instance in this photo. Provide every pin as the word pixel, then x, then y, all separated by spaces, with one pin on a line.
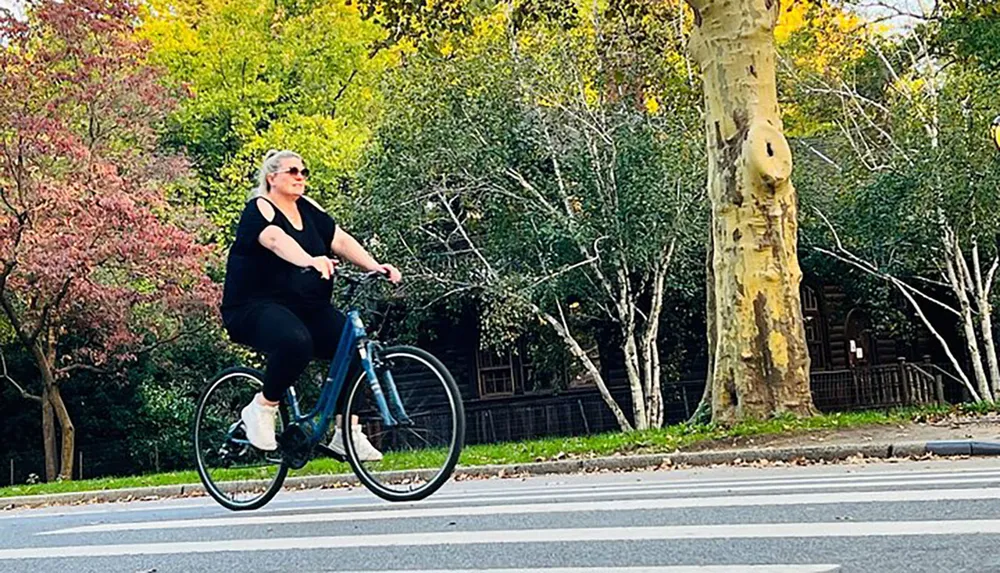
pixel 760 362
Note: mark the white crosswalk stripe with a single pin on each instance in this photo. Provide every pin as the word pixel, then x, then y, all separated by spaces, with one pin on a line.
pixel 526 536
pixel 660 491
pixel 675 569
pixel 573 513
pixel 526 509
pixel 695 484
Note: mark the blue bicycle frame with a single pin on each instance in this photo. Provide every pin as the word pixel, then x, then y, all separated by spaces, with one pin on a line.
pixel 352 339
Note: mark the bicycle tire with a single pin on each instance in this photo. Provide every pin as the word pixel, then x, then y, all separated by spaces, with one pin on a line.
pixel 457 432
pixel 211 487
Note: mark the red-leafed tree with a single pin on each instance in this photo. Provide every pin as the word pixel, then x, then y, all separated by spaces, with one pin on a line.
pixel 94 261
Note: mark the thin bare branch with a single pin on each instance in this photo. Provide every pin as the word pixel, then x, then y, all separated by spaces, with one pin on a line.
pixel 516 175
pixel 564 270
pixel 992 274
pixel 79 366
pixel 845 255
pixel 47 310
pixel 819 154
pixel 944 344
pixel 465 235
pixel 6 375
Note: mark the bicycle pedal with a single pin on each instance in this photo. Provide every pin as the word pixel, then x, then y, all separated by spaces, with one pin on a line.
pixel 296 462
pixel 330 453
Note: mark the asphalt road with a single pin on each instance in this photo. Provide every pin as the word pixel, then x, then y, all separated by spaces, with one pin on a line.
pixel 941 516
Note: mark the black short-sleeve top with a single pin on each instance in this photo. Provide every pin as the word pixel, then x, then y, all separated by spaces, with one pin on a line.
pixel 255 274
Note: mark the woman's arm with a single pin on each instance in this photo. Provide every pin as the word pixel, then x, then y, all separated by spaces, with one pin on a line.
pixel 346 246
pixel 278 242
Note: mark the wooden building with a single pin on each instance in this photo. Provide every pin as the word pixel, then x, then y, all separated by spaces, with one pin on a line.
pixel 852 368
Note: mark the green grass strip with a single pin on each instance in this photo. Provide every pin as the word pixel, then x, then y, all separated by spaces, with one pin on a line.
pixel 664 440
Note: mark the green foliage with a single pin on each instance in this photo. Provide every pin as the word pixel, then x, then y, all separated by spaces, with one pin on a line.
pixel 904 149
pixel 260 75
pixel 165 386
pixel 970 30
pixel 499 141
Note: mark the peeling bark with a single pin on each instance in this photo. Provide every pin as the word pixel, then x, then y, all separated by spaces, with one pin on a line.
pixel 760 361
pixel 958 277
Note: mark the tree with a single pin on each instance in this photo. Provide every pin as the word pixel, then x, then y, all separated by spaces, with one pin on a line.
pixel 916 205
pixel 265 74
pixel 758 359
pixel 94 262
pixel 521 177
pixel 969 31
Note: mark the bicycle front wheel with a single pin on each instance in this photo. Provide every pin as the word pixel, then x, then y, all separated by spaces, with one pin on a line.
pixel 236 474
pixel 410 460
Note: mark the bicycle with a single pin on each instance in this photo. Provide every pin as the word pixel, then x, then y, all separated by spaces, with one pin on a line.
pixel 405 400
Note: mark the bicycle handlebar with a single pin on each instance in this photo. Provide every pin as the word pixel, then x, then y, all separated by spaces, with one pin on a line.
pixel 355 277
pixel 355 280
pixel 352 277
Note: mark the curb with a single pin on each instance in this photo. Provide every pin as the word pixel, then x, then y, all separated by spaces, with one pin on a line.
pixel 614 463
pixel 964 448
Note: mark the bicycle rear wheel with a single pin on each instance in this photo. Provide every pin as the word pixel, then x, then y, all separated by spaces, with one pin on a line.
pixel 419 454
pixel 236 474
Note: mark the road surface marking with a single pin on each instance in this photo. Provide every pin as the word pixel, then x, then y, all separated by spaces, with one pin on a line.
pixel 925 495
pixel 586 535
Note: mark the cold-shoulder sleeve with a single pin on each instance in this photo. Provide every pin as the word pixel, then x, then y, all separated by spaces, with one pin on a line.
pixel 252 224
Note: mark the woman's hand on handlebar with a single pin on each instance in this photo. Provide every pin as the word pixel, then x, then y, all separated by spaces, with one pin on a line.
pixel 324 265
pixel 391 272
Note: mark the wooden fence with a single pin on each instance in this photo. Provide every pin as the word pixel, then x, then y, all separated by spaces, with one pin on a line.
pixel 882 386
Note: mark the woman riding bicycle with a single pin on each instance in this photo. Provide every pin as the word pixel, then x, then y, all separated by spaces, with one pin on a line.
pixel 274 302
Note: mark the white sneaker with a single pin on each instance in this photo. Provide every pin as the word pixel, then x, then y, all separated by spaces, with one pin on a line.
pixel 366 451
pixel 259 422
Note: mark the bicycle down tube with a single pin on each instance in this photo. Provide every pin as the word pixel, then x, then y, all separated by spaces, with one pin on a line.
pixel 352 339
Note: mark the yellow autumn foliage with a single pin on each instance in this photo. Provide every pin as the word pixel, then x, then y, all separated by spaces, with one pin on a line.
pixel 820 38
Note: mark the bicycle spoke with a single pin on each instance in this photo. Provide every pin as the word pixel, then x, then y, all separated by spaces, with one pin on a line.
pixel 429 445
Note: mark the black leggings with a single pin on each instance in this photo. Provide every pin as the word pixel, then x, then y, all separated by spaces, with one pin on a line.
pixel 291 336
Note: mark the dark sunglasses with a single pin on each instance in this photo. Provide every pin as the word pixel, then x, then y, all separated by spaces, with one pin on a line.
pixel 295 171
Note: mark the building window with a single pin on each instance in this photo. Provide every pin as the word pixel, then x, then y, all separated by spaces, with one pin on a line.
pixel 547 365
pixel 810 302
pixel 496 373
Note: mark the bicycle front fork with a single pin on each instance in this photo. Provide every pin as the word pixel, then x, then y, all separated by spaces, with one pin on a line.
pixel 392 405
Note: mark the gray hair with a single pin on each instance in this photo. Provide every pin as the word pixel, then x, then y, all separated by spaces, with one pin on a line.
pixel 272 161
